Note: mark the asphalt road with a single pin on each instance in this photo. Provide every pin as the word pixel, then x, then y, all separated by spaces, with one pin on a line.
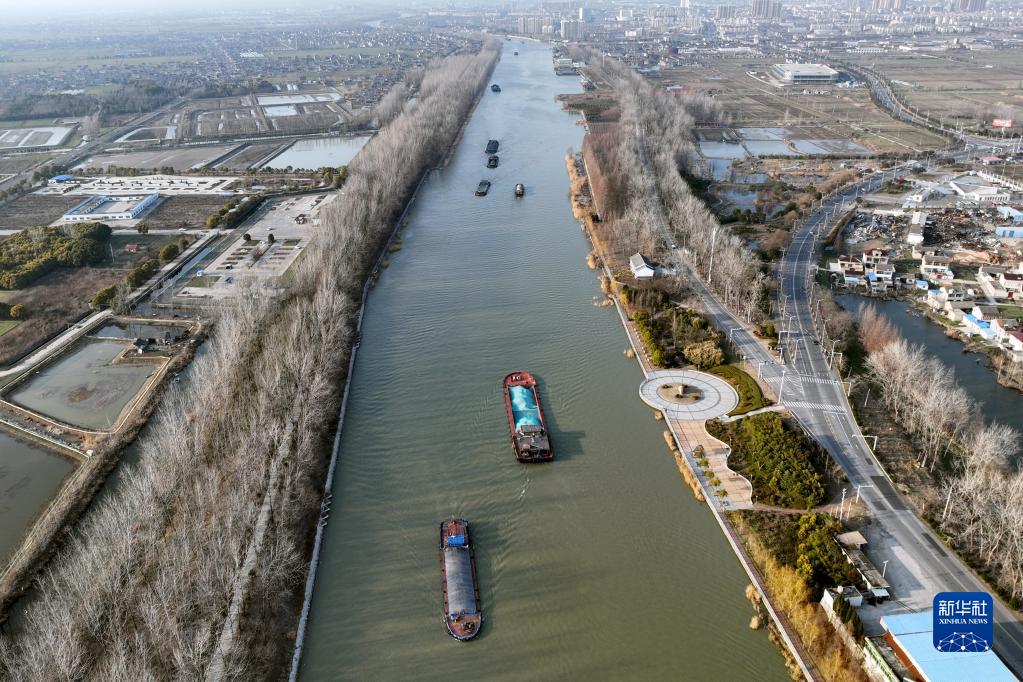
pixel 917 564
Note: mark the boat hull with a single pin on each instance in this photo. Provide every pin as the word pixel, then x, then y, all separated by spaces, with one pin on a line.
pixel 534 446
pixel 462 615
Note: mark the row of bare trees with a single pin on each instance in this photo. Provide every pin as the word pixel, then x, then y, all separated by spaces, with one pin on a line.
pixel 215 517
pixel 663 125
pixel 983 487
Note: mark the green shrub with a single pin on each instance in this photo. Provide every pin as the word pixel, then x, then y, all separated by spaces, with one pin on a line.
pixel 783 465
pixel 169 252
pixel 103 297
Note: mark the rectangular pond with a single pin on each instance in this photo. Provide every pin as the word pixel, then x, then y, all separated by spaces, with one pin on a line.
pixel 30 476
pixel 319 153
pixel 130 330
pixel 82 388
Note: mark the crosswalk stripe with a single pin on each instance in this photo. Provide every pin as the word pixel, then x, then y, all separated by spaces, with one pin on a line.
pixel 816 406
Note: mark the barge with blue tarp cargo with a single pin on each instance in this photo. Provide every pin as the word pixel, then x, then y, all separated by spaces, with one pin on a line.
pixel 462 614
pixel 530 439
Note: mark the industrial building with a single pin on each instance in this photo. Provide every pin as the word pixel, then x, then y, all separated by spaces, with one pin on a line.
pixel 910 636
pixel 804 74
pixel 107 207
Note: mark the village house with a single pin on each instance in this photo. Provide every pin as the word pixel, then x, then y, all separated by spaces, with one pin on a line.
pixel 1012 283
pixel 936 267
pixel 874 257
pixel 1001 327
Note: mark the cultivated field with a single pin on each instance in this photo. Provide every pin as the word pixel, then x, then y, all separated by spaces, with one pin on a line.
pixel 969 87
pixel 845 112
pixel 32 210
pixel 183 211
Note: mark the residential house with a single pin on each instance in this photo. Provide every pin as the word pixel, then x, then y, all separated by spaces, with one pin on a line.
pixel 881 277
pixel 1014 340
pixel 1012 282
pixel 641 267
pixel 873 257
pixel 936 267
pixel 915 236
pixel 974 326
pixel 989 279
pixel 1001 327
pixel 986 312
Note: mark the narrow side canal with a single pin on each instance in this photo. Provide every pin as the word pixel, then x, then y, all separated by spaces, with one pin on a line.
pixel 600 565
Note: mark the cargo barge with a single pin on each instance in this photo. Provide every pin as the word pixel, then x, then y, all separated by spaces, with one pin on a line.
pixel 495 88
pixel 492 146
pixel 528 427
pixel 493 160
pixel 483 188
pixel 462 614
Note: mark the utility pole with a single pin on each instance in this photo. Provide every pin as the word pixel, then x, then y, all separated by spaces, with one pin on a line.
pixel 841 508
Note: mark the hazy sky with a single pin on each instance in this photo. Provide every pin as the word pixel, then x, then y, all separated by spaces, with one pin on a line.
pixel 39 9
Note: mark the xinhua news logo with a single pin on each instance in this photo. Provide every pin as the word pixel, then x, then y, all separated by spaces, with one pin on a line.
pixel 964 621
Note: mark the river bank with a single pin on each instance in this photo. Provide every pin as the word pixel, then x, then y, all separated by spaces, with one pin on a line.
pixel 797 661
pixel 249 439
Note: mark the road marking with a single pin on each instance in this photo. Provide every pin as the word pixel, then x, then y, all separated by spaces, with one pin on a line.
pixel 815 406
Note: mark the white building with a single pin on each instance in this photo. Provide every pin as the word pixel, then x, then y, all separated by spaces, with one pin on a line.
pixel 641 267
pixel 101 207
pixel 804 74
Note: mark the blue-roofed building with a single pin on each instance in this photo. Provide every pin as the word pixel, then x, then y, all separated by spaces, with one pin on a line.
pixel 1013 231
pixel 977 326
pixel 911 637
pixel 60 179
pixel 1010 213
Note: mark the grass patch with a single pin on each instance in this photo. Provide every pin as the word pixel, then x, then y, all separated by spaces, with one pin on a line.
pixel 750 396
pixel 203 281
pixel 8 325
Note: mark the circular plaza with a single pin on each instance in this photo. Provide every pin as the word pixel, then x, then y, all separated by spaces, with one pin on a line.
pixel 688 395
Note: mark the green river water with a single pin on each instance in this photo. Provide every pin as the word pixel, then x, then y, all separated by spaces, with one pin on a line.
pixel 600 565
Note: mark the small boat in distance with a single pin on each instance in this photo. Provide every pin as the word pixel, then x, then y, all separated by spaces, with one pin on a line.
pixel 495 88
pixel 525 419
pixel 492 146
pixel 483 188
pixel 516 53
pixel 520 189
pixel 462 614
pixel 493 160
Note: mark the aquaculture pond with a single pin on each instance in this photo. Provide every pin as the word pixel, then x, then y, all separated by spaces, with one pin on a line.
pixel 82 388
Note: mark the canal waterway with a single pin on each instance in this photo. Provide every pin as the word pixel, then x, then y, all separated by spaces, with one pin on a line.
pixel 30 476
pixel 1000 404
pixel 600 565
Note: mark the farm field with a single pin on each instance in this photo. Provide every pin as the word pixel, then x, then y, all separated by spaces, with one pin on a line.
pixel 32 210
pixel 847 113
pixel 971 87
pixel 190 212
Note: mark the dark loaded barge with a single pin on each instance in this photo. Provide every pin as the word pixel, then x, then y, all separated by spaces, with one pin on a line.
pixel 462 613
pixel 492 146
pixel 529 435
